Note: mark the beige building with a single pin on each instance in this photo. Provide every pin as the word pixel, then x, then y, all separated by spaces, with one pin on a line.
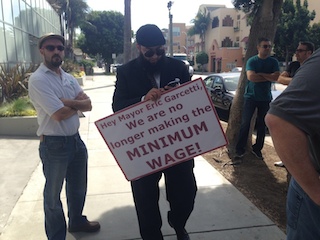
pixel 314 5
pixel 227 36
pixel 225 39
pixel 182 43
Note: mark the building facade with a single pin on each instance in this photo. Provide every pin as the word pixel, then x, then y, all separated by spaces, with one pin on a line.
pixel 22 22
pixel 227 36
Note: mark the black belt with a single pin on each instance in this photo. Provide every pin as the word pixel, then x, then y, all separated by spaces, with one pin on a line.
pixel 42 137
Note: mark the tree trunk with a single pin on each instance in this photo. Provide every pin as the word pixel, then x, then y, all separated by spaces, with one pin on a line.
pixel 264 25
pixel 127 31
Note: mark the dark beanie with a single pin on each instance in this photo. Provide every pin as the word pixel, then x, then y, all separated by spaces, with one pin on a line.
pixel 150 35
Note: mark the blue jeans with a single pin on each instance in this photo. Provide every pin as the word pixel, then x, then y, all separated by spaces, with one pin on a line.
pixel 63 158
pixel 303 215
pixel 249 108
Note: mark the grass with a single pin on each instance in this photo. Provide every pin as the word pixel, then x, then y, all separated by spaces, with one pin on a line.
pixel 18 107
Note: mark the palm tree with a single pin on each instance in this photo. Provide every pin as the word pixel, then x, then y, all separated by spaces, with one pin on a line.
pixel 127 31
pixel 201 23
pixel 74 12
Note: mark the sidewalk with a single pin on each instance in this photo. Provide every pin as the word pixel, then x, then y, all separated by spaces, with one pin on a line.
pixel 220 212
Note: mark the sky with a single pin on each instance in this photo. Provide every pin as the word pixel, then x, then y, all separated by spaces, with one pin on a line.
pixel 156 11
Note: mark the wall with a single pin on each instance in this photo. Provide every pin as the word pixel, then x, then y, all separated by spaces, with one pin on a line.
pixel 22 22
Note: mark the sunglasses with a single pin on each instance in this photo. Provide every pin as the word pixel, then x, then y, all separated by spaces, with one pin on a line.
pixel 301 50
pixel 150 52
pixel 51 48
pixel 266 46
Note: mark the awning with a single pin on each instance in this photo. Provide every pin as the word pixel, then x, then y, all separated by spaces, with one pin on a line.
pixel 245 39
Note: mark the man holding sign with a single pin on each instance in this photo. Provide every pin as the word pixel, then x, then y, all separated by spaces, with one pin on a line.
pixel 146 78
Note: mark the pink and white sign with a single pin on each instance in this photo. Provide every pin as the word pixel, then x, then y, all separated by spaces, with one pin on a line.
pixel 150 136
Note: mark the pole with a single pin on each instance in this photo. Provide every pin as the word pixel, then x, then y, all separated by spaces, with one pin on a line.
pixel 170 29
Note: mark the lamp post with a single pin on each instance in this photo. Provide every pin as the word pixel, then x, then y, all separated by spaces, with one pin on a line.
pixel 170 29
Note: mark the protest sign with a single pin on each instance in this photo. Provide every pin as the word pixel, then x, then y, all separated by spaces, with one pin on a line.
pixel 153 135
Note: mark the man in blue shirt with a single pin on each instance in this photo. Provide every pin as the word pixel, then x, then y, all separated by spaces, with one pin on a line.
pixel 261 71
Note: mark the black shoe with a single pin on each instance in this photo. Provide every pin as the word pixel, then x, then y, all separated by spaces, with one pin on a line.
pixel 86 227
pixel 257 153
pixel 182 234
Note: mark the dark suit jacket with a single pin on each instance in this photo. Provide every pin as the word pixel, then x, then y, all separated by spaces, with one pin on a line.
pixel 133 82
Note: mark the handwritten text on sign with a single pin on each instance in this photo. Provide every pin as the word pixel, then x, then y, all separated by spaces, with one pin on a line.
pixel 151 136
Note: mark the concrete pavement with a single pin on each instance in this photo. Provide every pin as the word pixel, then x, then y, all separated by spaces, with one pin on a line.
pixel 221 211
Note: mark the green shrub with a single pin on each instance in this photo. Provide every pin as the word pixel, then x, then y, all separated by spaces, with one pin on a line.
pixel 18 107
pixel 73 68
pixel 88 66
pixel 14 81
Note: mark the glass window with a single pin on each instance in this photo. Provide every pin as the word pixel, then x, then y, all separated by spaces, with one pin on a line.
pixel 1 10
pixel 27 50
pixel 29 14
pixel 3 52
pixel 16 13
pixel 27 2
pixel 23 16
pixel 20 46
pixel 11 48
pixel 218 84
pixel 7 14
pixel 208 81
pixel 35 23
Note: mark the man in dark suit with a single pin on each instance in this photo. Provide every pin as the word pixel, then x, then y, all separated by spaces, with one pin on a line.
pixel 142 79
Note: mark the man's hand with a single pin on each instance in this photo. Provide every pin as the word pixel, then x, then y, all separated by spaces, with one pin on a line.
pixel 82 102
pixel 81 96
pixel 154 94
pixel 284 78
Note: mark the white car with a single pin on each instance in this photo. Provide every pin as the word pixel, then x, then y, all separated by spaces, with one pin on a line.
pixel 183 57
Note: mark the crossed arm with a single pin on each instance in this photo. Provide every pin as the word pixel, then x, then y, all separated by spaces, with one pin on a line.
pixel 284 78
pixel 82 103
pixel 262 77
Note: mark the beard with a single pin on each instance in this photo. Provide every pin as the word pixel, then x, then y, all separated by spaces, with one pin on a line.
pixel 56 61
pixel 152 67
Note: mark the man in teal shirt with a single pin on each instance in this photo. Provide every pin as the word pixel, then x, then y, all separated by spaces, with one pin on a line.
pixel 261 71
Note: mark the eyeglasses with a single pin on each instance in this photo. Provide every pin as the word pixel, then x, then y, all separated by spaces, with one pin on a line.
pixel 150 52
pixel 266 46
pixel 301 50
pixel 51 48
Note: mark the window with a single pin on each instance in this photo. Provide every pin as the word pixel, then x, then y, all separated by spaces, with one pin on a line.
pixel 218 84
pixel 209 81
pixel 3 52
pixel 7 14
pixel 215 22
pixel 1 17
pixel 227 42
pixel 16 13
pixel 11 48
pixel 227 21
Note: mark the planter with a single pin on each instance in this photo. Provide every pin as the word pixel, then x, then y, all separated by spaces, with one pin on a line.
pixel 19 126
pixel 81 80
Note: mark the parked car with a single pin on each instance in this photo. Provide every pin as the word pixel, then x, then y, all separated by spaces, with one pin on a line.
pixel 236 69
pixel 183 57
pixel 113 67
pixel 222 89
